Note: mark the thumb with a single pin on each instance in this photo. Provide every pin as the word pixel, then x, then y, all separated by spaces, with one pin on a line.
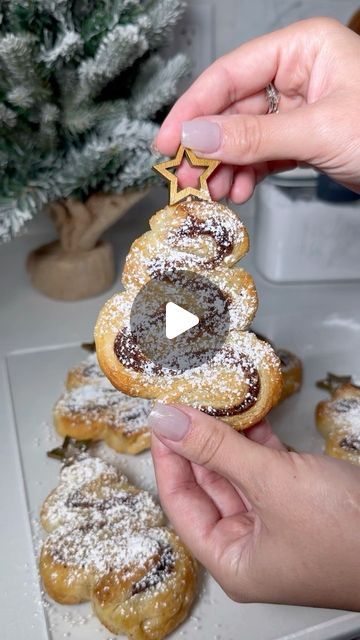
pixel 248 139
pixel 214 445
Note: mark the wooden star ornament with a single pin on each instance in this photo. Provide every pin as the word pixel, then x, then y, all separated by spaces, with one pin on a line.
pixel 176 194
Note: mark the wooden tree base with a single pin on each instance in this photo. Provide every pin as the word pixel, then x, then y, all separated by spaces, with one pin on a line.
pixel 71 276
pixel 79 265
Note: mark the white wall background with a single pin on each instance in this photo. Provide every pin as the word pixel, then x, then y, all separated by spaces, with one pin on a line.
pixel 214 27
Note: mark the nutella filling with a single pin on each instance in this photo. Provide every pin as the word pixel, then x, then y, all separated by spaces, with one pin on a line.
pixel 133 415
pixel 91 370
pixel 158 573
pixel 77 499
pixel 250 399
pixel 351 443
pixel 193 227
pixel 346 404
pixel 130 355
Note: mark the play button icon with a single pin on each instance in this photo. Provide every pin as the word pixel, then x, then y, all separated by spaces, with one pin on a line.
pixel 178 320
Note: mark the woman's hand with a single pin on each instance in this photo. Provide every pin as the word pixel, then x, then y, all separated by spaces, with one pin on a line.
pixel 315 66
pixel 271 526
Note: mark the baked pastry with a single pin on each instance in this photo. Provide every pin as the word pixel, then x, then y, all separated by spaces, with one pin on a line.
pixel 344 445
pixel 338 420
pixel 86 372
pixel 141 581
pixel 100 412
pixel 91 489
pixel 151 595
pixel 242 381
pixel 341 412
pixel 291 369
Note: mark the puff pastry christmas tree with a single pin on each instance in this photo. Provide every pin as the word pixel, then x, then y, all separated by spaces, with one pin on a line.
pixel 242 380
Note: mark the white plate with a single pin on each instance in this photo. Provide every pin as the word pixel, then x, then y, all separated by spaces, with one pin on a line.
pixel 39 341
pixel 36 379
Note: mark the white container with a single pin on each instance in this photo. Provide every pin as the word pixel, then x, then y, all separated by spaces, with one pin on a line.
pixel 305 240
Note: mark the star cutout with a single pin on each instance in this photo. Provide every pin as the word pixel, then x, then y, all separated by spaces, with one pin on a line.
pixel 176 194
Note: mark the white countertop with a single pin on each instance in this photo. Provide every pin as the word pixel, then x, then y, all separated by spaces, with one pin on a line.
pixel 320 322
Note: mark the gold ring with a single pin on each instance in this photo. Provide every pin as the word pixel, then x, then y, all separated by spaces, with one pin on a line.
pixel 273 98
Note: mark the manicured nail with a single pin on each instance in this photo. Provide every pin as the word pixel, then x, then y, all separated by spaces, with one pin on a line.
pixel 169 422
pixel 153 146
pixel 201 135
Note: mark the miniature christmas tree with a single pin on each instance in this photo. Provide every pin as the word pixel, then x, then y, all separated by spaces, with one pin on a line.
pixel 82 89
pixel 81 85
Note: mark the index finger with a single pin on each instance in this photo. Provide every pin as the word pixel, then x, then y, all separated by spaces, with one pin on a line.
pixel 235 76
pixel 181 497
pixel 193 513
pixel 246 71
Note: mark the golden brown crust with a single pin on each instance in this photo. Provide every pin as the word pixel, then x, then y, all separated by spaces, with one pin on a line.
pixel 141 616
pixel 56 575
pixel 166 222
pixel 99 412
pixel 338 421
pixel 84 373
pixel 221 380
pixel 336 414
pixel 343 446
pixel 82 487
pixel 243 381
pixel 291 369
pixel 107 546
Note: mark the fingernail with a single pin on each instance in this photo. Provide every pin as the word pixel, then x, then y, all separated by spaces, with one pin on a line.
pixel 201 135
pixel 169 422
pixel 153 146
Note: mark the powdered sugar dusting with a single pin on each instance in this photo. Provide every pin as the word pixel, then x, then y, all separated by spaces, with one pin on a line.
pixel 94 402
pixel 86 470
pixel 206 238
pixel 239 345
pixel 92 492
pixel 101 525
pixel 345 414
pixel 101 549
pixel 89 372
